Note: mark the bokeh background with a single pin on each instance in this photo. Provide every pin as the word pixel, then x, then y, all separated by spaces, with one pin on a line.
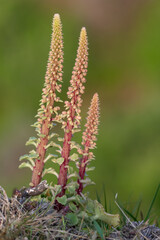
pixel 124 68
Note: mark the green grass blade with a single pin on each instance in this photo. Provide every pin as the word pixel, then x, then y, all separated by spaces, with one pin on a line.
pixel 152 203
pixel 99 230
pixel 98 198
pixel 138 208
pixel 128 213
pixel 105 198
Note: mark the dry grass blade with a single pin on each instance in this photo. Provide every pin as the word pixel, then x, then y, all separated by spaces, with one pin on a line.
pixel 40 222
pixel 132 224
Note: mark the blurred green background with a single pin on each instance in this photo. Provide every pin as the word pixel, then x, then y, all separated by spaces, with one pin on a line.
pixel 124 68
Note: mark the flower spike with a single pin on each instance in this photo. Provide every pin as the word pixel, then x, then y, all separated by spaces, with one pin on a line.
pixel 89 138
pixel 46 110
pixel 67 195
pixel 74 93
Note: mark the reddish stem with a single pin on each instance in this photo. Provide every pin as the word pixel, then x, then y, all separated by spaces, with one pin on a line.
pixel 82 167
pixel 41 150
pixel 62 179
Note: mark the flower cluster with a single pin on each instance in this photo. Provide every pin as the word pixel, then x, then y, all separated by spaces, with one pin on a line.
pixel 67 193
pixel 89 139
pixel 76 88
pixel 52 78
pixel 74 93
pixel 47 109
pixel 70 118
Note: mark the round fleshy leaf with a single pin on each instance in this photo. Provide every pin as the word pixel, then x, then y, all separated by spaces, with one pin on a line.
pixel 73 219
pixel 62 200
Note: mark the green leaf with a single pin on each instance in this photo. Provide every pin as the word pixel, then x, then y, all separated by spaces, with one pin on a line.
pixel 99 230
pixel 23 157
pixel 49 156
pixel 152 203
pixel 70 169
pixel 52 135
pixel 60 139
pixel 80 201
pixel 44 118
pixel 73 219
pixel 89 169
pixel 56 145
pixel 32 152
pixel 35 124
pixel 31 161
pixel 71 189
pixel 57 189
pixel 75 174
pixel 83 215
pixel 60 160
pixel 49 171
pixel 90 206
pixel 75 145
pixel 87 181
pixel 59 151
pixel 52 144
pixel 32 139
pixel 72 186
pixel 73 207
pixel 76 130
pixel 62 200
pixel 31 143
pixel 74 157
pixel 24 164
pixel 33 155
pixel 41 135
pixel 100 214
pixel 129 214
pixel 28 158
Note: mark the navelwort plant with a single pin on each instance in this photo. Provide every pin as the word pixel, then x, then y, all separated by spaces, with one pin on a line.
pixel 69 194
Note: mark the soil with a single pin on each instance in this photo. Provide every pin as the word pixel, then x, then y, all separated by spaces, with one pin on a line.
pixel 136 231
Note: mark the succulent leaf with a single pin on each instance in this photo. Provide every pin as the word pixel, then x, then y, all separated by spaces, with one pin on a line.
pixel 48 157
pixel 74 157
pixel 52 135
pixel 72 206
pixel 23 157
pixel 62 200
pixel 49 171
pixel 100 214
pixel 73 219
pixel 58 160
pixel 75 174
pixel 90 169
pixel 26 164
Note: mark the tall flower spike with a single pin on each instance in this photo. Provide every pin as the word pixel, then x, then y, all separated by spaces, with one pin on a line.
pixel 74 93
pixel 89 138
pixel 51 85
